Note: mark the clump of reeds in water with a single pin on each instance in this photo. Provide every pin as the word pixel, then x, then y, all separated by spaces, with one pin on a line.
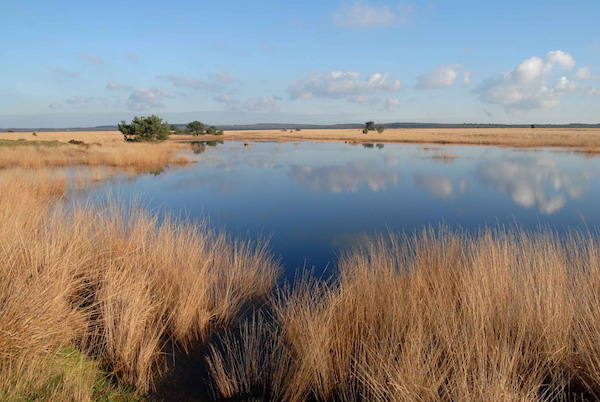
pixel 111 284
pixel 498 316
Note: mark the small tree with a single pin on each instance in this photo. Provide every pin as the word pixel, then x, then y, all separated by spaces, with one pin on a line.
pixel 212 130
pixel 150 128
pixel 195 127
pixel 380 129
pixel 370 126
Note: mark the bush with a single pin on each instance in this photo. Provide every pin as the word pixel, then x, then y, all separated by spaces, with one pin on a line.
pixel 380 129
pixel 195 127
pixel 150 128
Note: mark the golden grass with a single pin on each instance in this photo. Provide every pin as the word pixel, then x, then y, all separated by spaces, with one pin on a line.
pixel 501 316
pixel 137 157
pixel 585 140
pixel 117 283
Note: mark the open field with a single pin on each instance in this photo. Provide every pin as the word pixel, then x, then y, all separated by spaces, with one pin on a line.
pixel 98 149
pixel 582 139
pixel 94 302
pixel 585 140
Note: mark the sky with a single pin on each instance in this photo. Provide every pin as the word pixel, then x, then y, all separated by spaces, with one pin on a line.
pixel 86 63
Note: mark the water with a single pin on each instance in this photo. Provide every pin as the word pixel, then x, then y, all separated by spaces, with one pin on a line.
pixel 314 199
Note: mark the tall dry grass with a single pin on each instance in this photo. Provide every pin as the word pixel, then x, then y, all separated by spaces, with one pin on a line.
pixel 503 315
pixel 137 157
pixel 116 283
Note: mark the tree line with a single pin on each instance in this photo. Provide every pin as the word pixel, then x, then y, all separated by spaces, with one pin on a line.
pixel 153 128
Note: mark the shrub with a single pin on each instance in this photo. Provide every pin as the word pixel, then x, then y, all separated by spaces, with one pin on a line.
pixel 150 128
pixel 195 127
pixel 380 129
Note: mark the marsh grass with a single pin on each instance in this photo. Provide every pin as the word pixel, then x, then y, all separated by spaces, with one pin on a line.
pixel 137 157
pixel 114 283
pixel 501 315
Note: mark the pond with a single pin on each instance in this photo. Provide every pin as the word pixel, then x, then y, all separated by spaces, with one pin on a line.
pixel 313 200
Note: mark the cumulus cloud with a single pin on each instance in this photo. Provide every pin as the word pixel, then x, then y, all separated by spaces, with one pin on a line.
pixel 147 98
pixel 342 85
pixel 585 73
pixel 443 76
pixel 534 182
pixel 530 85
pixel 117 86
pixel 346 178
pixel 363 14
pixel 91 59
pixel 467 77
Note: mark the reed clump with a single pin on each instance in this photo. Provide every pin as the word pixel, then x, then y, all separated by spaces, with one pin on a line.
pixel 501 315
pixel 115 284
pixel 136 157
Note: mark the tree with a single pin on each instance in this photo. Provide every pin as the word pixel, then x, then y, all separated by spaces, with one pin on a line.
pixel 142 128
pixel 370 126
pixel 212 130
pixel 380 129
pixel 195 127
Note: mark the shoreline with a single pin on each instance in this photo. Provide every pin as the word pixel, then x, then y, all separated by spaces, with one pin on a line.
pixel 582 139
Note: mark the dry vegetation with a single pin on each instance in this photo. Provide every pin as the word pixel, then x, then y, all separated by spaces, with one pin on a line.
pixel 502 316
pixel 87 289
pixel 97 150
pixel 585 140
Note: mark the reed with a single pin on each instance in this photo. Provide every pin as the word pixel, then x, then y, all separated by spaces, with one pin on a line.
pixel 501 315
pixel 116 283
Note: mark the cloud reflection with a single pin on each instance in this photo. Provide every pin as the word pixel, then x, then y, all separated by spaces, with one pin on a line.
pixel 534 182
pixel 346 178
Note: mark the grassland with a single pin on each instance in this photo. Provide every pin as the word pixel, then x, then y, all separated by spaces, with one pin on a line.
pixel 94 300
pixel 441 316
pixel 579 139
pixel 90 297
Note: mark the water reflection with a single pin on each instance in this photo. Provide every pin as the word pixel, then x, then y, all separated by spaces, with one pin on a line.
pixel 439 186
pixel 346 178
pixel 535 182
pixel 311 199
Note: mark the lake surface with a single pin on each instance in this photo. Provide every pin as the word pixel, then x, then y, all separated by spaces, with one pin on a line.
pixel 314 199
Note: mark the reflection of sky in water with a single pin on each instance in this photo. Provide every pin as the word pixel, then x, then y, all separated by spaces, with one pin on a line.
pixel 312 199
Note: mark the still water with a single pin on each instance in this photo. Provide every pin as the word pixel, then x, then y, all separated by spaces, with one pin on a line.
pixel 314 199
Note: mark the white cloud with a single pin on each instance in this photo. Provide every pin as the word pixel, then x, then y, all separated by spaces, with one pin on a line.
pixel 534 182
pixel 363 14
pixel 261 104
pixel 347 178
pixel 55 106
pixel 467 77
pixel 437 185
pixel 147 98
pixel 341 85
pixel 443 76
pixel 117 86
pixel 585 73
pixel 529 85
pixel 391 104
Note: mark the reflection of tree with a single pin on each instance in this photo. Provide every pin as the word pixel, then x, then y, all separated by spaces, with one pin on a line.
pixel 534 182
pixel 198 148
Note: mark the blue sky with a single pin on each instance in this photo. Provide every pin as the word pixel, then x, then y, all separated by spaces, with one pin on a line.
pixel 84 63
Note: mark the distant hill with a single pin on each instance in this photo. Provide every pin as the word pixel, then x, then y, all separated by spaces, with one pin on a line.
pixel 280 126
